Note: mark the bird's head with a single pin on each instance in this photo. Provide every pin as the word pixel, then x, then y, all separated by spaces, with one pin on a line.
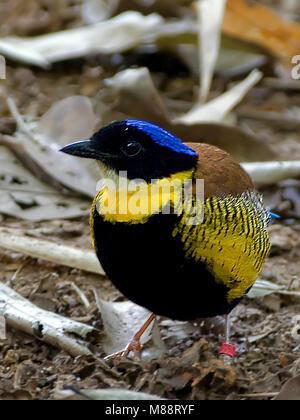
pixel 142 149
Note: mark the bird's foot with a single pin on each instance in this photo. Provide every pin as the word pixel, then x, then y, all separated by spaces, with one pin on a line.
pixel 134 346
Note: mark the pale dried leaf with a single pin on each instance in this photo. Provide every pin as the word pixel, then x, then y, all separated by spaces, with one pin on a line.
pixel 70 119
pixel 115 35
pixel 138 96
pixel 217 109
pixel 41 142
pixel 263 288
pixel 94 11
pixel 122 320
pixel 210 15
pixel 16 49
pixel 235 57
pixel 238 57
pixel 22 195
pixel 174 33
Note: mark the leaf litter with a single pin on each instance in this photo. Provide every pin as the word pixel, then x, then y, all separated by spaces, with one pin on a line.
pixel 265 328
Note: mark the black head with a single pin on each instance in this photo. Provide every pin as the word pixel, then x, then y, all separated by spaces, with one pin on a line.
pixel 142 149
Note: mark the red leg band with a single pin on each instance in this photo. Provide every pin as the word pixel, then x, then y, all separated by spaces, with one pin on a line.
pixel 227 348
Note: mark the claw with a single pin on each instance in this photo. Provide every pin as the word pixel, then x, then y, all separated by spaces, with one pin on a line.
pixel 134 344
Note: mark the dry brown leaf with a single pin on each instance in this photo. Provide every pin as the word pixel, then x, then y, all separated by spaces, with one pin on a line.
pixel 253 22
pixel 290 390
pixel 67 120
pixel 245 147
pixel 133 93
pixel 217 373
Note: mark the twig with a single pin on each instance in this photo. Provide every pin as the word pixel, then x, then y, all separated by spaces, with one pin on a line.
pixel 82 296
pixel 287 292
pixel 291 282
pixel 82 259
pixel 282 84
pixel 2 328
pixel 46 326
pixel 19 120
pixel 80 393
pixel 15 276
pixel 260 394
pixel 24 191
pixel 269 173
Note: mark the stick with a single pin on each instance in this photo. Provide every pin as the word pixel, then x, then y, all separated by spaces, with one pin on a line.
pixel 82 296
pixel 260 394
pixel 46 326
pixel 269 173
pixel 82 259
pixel 19 120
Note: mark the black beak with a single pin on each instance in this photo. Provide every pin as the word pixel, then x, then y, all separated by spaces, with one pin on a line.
pixel 84 149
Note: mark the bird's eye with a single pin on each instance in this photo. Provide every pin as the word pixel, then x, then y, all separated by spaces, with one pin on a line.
pixel 131 148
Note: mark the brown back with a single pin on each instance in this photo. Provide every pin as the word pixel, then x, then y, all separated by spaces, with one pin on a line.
pixel 222 174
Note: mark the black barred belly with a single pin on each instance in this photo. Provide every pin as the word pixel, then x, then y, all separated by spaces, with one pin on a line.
pixel 148 266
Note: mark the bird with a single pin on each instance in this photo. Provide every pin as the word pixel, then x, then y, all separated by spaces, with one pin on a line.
pixel 178 228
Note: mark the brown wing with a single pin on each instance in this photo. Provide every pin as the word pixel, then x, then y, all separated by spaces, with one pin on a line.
pixel 221 172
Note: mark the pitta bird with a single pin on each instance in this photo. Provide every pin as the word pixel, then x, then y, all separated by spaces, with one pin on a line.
pixel 177 252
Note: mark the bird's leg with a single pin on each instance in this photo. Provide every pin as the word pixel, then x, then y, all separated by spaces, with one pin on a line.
pixel 134 344
pixel 227 349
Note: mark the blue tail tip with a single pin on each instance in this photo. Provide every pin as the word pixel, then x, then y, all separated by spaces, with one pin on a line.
pixel 273 216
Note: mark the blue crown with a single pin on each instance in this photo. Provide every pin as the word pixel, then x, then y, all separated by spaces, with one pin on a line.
pixel 162 137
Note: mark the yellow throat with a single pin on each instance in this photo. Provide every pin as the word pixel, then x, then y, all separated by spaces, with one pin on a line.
pixel 135 201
